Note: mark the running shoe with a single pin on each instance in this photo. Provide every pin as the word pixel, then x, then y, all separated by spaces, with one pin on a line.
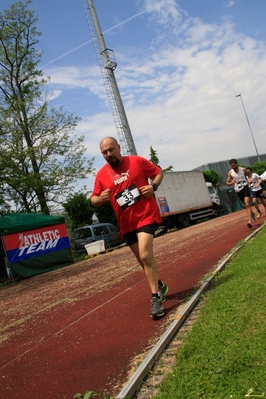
pixel 253 216
pixel 249 225
pixel 259 214
pixel 163 289
pixel 156 307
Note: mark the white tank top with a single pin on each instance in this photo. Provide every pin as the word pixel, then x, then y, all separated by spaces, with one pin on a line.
pixel 239 176
pixel 255 179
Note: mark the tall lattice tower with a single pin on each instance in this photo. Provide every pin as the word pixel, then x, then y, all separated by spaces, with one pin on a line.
pixel 107 64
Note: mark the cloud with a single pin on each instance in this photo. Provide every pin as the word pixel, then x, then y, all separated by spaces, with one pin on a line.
pixel 163 10
pixel 77 78
pixel 183 100
pixel 230 3
pixel 55 94
pixel 179 91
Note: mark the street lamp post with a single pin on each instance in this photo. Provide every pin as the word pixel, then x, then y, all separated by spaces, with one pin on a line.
pixel 239 95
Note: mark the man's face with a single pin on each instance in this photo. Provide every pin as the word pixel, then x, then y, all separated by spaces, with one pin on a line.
pixel 111 152
pixel 234 165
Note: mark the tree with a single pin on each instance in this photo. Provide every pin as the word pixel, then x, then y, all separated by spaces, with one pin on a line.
pixel 259 167
pixel 154 159
pixel 212 176
pixel 41 156
pixel 79 210
pixel 153 156
pixel 105 214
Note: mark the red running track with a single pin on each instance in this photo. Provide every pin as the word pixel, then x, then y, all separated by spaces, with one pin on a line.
pixel 84 327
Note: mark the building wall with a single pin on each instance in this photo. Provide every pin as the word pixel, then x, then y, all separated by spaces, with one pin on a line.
pixel 223 167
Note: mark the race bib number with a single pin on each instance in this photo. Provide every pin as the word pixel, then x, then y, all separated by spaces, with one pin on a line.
pixel 241 184
pixel 128 197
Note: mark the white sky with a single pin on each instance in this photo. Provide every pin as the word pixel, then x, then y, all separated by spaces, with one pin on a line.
pixel 180 65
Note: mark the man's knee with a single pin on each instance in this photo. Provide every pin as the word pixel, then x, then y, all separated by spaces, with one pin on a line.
pixel 247 202
pixel 147 258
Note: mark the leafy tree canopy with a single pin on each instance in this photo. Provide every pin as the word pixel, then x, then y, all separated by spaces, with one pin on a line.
pixel 41 156
pixel 212 176
pixel 105 214
pixel 79 210
pixel 259 167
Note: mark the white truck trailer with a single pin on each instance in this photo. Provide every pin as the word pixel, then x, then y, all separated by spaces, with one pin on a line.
pixel 184 198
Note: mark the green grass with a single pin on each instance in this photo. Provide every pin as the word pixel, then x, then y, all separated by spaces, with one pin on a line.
pixel 224 354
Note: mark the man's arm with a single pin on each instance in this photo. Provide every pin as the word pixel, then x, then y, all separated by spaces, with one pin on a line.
pixel 149 189
pixel 245 172
pixel 158 178
pixel 230 181
pixel 260 181
pixel 99 200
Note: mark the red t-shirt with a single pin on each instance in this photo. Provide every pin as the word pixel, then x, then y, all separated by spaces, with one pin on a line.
pixel 132 209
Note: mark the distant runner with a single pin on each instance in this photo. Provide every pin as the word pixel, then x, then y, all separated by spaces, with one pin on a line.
pixel 237 178
pixel 255 181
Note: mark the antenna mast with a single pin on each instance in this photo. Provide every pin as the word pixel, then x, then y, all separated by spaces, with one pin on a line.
pixel 108 64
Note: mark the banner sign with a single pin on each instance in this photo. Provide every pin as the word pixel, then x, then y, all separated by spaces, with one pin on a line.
pixel 163 205
pixel 37 242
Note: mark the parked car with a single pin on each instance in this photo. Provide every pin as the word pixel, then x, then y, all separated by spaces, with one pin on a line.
pixel 95 232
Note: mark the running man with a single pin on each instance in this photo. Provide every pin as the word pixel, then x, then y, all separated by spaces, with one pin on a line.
pixel 237 178
pixel 255 181
pixel 129 183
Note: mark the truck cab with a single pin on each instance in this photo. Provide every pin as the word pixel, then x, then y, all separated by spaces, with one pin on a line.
pixel 213 194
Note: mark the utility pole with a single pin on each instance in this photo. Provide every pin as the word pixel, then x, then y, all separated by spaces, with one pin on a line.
pixel 239 95
pixel 108 64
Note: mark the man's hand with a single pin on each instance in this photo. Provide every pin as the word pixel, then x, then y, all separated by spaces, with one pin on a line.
pixel 101 199
pixel 230 180
pixel 105 195
pixel 147 191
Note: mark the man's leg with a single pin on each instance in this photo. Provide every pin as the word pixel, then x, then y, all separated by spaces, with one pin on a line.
pixel 255 202
pixel 143 251
pixel 135 249
pixel 263 200
pixel 248 208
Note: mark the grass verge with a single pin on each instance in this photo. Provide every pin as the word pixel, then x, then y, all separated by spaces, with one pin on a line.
pixel 224 355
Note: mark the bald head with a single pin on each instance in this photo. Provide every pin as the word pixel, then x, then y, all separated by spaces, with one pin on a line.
pixel 108 139
pixel 111 151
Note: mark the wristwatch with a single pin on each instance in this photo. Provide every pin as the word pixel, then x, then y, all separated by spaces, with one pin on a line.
pixel 155 186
